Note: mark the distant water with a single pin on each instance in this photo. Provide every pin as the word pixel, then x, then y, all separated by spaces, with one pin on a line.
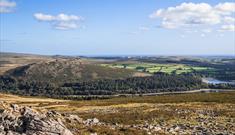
pixel 215 81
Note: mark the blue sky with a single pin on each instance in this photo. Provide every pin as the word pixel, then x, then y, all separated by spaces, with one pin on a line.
pixel 123 27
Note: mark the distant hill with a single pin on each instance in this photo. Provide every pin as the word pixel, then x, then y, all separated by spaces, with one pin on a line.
pixel 12 60
pixel 67 70
pixel 63 76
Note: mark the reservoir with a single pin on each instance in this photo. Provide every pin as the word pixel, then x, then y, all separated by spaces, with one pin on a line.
pixel 216 81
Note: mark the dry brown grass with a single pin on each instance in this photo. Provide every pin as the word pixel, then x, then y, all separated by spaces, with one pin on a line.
pixel 139 110
pixel 141 74
pixel 27 100
pixel 13 61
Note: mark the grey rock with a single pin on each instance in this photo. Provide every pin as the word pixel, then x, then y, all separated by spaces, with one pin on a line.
pixel 157 129
pixel 15 107
pixel 74 118
pixel 12 133
pixel 17 120
pixel 91 121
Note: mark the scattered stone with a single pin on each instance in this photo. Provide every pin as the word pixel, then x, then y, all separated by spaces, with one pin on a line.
pixel 93 121
pixel 157 129
pixel 72 118
pixel 15 107
pixel 15 120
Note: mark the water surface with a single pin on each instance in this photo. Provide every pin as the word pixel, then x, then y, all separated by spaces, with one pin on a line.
pixel 216 81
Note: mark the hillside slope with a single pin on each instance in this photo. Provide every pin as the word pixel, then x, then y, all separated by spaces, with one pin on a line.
pixel 10 61
pixel 66 70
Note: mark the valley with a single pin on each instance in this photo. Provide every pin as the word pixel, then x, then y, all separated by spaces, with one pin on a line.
pixel 73 77
pixel 116 96
pixel 117 67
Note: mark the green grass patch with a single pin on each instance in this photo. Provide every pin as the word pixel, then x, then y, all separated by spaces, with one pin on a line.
pixel 154 68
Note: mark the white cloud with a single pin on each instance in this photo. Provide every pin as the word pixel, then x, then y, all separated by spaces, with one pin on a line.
pixel 66 25
pixel 230 27
pixel 60 21
pixel 59 17
pixel 226 7
pixel 188 15
pixel 7 6
pixel 229 19
pixel 44 17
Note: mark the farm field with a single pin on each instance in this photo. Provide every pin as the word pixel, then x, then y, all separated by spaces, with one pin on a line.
pixel 154 68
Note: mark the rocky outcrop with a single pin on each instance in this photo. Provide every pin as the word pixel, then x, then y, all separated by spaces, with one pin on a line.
pixel 15 120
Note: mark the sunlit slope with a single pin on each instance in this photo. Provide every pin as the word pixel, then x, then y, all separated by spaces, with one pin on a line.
pixel 67 70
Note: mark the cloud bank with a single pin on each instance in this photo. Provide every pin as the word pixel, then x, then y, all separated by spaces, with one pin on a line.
pixel 60 21
pixel 7 6
pixel 188 15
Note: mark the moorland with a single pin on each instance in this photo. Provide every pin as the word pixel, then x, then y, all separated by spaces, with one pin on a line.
pixel 74 77
pixel 119 95
pixel 198 113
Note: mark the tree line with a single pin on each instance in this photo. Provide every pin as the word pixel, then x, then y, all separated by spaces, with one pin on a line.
pixel 135 85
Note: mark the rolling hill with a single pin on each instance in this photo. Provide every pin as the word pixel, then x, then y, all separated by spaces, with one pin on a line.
pixel 66 70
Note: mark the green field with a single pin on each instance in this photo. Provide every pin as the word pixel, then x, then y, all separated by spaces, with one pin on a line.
pixel 154 68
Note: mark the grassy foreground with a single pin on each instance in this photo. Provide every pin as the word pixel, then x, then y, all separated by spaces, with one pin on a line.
pixel 165 110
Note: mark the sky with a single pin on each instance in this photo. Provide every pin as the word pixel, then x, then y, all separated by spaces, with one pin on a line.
pixel 118 27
